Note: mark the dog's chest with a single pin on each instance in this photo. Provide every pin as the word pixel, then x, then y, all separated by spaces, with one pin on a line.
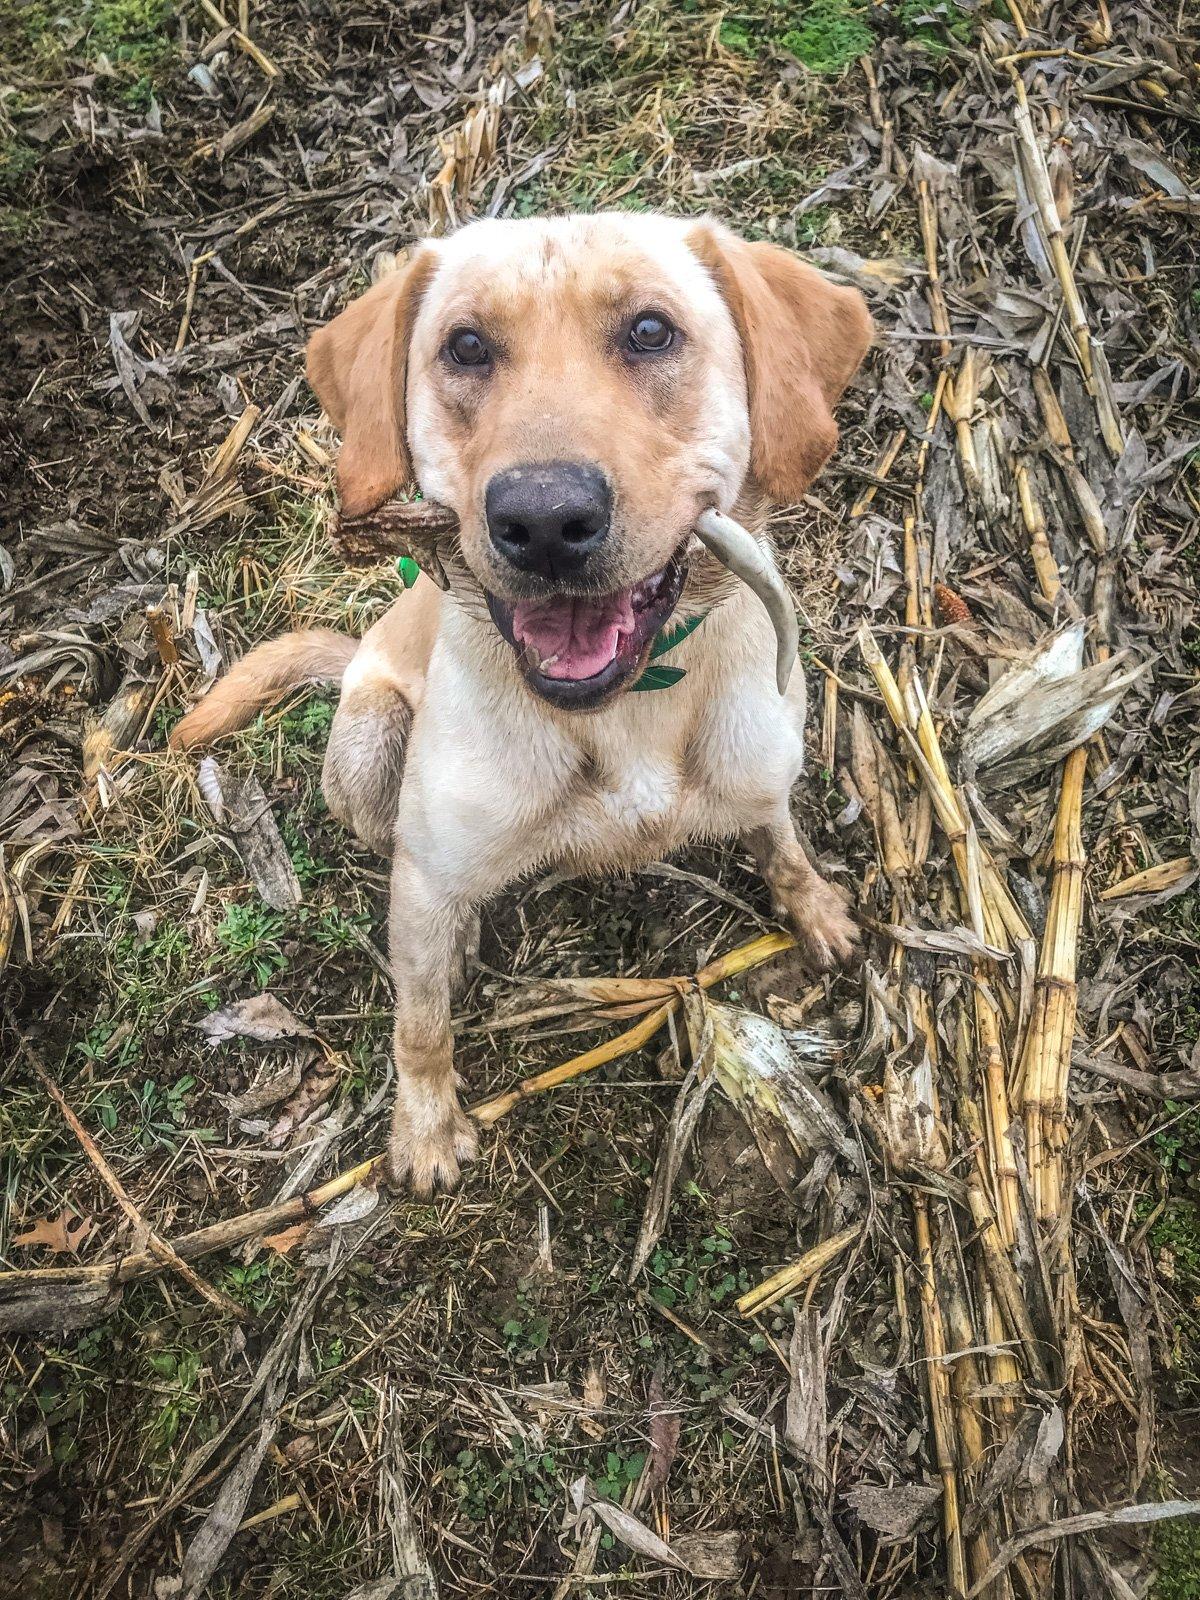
pixel 631 802
pixel 640 796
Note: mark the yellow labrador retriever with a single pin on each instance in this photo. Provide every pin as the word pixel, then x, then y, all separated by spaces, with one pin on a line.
pixel 580 392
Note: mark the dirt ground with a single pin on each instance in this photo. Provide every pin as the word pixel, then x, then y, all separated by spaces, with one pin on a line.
pixel 407 1399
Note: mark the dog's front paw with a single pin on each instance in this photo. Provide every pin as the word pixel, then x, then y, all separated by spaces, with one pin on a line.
pixel 826 934
pixel 431 1139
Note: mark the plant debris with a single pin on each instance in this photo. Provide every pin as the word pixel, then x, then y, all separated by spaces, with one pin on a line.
pixel 884 1285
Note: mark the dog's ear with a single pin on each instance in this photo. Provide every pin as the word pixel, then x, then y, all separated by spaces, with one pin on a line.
pixel 357 364
pixel 802 341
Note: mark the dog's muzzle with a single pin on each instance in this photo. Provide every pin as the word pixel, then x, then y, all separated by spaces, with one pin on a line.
pixel 576 651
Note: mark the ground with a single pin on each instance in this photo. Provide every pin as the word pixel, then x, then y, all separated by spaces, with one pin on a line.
pixel 426 1382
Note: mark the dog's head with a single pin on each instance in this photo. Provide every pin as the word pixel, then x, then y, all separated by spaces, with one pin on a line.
pixel 578 391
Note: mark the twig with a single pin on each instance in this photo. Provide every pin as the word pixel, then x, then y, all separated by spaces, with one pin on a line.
pixel 797 1273
pixel 163 1252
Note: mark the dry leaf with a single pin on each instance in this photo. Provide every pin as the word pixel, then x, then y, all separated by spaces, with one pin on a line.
pixel 57 1233
pixel 898 1512
pixel 762 1070
pixel 1045 705
pixel 316 1085
pixel 260 1016
pixel 664 1435
pixel 289 1238
pixel 595 1391
pixel 708 1555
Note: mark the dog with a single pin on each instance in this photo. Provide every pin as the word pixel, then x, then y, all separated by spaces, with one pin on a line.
pixel 578 391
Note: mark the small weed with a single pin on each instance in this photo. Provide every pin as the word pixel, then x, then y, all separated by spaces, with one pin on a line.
pixel 485 1487
pixel 527 1332
pixel 332 1355
pixel 307 867
pixel 131 33
pixel 260 1284
pixel 707 1273
pixel 94 1047
pixel 1178 1146
pixel 17 161
pixel 178 1372
pixel 19 224
pixel 249 935
pixel 148 972
pixel 736 36
pixel 826 36
pixel 311 722
pixel 1178 1230
pixel 1176 1238
pixel 619 1472
pixel 334 930
pixel 160 1113
pixel 71 1380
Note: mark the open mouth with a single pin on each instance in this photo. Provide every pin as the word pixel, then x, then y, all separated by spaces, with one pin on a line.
pixel 576 650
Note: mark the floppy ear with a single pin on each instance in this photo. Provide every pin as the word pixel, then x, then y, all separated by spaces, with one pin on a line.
pixel 802 340
pixel 357 364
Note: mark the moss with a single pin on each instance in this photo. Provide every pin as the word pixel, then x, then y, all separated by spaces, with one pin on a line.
pixel 736 36
pixel 1177 1560
pixel 130 32
pixel 132 35
pixel 20 223
pixel 829 35
pixel 18 161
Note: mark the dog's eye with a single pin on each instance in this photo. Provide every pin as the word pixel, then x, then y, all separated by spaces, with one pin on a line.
pixel 467 348
pixel 651 335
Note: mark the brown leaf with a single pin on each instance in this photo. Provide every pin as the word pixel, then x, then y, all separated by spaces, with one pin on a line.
pixel 316 1085
pixel 664 1435
pixel 56 1233
pixel 289 1238
pixel 260 1016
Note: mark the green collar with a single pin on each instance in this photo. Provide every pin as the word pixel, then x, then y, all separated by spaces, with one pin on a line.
pixel 664 677
pixel 652 678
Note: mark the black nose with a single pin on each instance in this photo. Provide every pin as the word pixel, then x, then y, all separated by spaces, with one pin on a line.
pixel 548 516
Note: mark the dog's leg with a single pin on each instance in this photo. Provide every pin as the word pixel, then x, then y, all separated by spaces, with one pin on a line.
pixel 430 1135
pixel 812 909
pixel 364 762
pixel 381 690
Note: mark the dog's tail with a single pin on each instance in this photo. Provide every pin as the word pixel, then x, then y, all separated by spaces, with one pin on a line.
pixel 258 680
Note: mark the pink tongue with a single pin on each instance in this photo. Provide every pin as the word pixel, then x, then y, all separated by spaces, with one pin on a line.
pixel 574 638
